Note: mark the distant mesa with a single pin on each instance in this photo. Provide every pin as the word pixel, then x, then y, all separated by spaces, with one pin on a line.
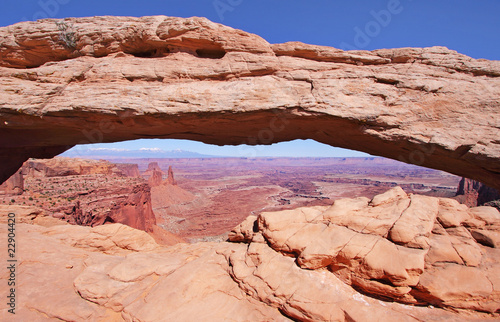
pixel 155 175
pixel 62 166
pixel 156 178
pixel 152 168
pixel 129 169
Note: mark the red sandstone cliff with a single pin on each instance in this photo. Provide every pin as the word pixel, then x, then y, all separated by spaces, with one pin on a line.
pixel 170 178
pixel 129 169
pixel 132 207
pixel 14 185
pixel 473 193
pixel 136 210
pixel 60 166
pixel 156 178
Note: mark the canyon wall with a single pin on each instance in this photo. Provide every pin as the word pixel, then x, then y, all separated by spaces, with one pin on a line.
pixel 57 167
pixel 473 193
pixel 129 169
pixel 14 185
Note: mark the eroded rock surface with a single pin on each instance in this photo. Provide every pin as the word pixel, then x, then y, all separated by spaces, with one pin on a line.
pixel 104 79
pixel 60 167
pixel 14 185
pixel 473 193
pixel 295 265
pixel 129 169
pixel 407 248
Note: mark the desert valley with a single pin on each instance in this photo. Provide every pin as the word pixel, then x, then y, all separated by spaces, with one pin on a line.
pixel 210 196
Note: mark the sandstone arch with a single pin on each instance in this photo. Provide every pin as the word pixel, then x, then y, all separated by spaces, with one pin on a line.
pixel 107 79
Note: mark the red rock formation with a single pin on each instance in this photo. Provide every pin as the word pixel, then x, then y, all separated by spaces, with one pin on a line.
pixel 170 179
pixel 98 192
pixel 407 248
pixel 59 166
pixel 431 106
pixel 153 166
pixel 156 175
pixel 14 185
pixel 168 194
pixel 132 207
pixel 128 169
pixel 358 260
pixel 473 193
pixel 76 216
pixel 135 211
pixel 156 178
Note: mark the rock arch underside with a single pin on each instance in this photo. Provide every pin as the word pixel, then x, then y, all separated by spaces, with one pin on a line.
pixel 107 79
pixel 396 257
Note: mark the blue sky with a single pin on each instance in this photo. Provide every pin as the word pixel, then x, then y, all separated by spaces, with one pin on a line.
pixel 467 26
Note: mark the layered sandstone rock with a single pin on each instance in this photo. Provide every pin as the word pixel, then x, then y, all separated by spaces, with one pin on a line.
pixel 169 77
pixel 152 166
pixel 130 206
pixel 136 210
pixel 60 166
pixel 14 185
pixel 407 248
pixel 92 193
pixel 156 178
pixel 129 169
pixel 473 193
pixel 170 177
pixel 114 272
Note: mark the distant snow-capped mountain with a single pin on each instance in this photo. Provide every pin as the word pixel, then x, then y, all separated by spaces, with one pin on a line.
pixel 114 153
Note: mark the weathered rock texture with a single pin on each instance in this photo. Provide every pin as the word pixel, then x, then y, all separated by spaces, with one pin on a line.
pixel 131 206
pixel 170 178
pixel 14 185
pixel 105 79
pixel 309 264
pixel 473 193
pixel 58 167
pixel 136 210
pixel 407 248
pixel 92 193
pixel 156 178
pixel 129 169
